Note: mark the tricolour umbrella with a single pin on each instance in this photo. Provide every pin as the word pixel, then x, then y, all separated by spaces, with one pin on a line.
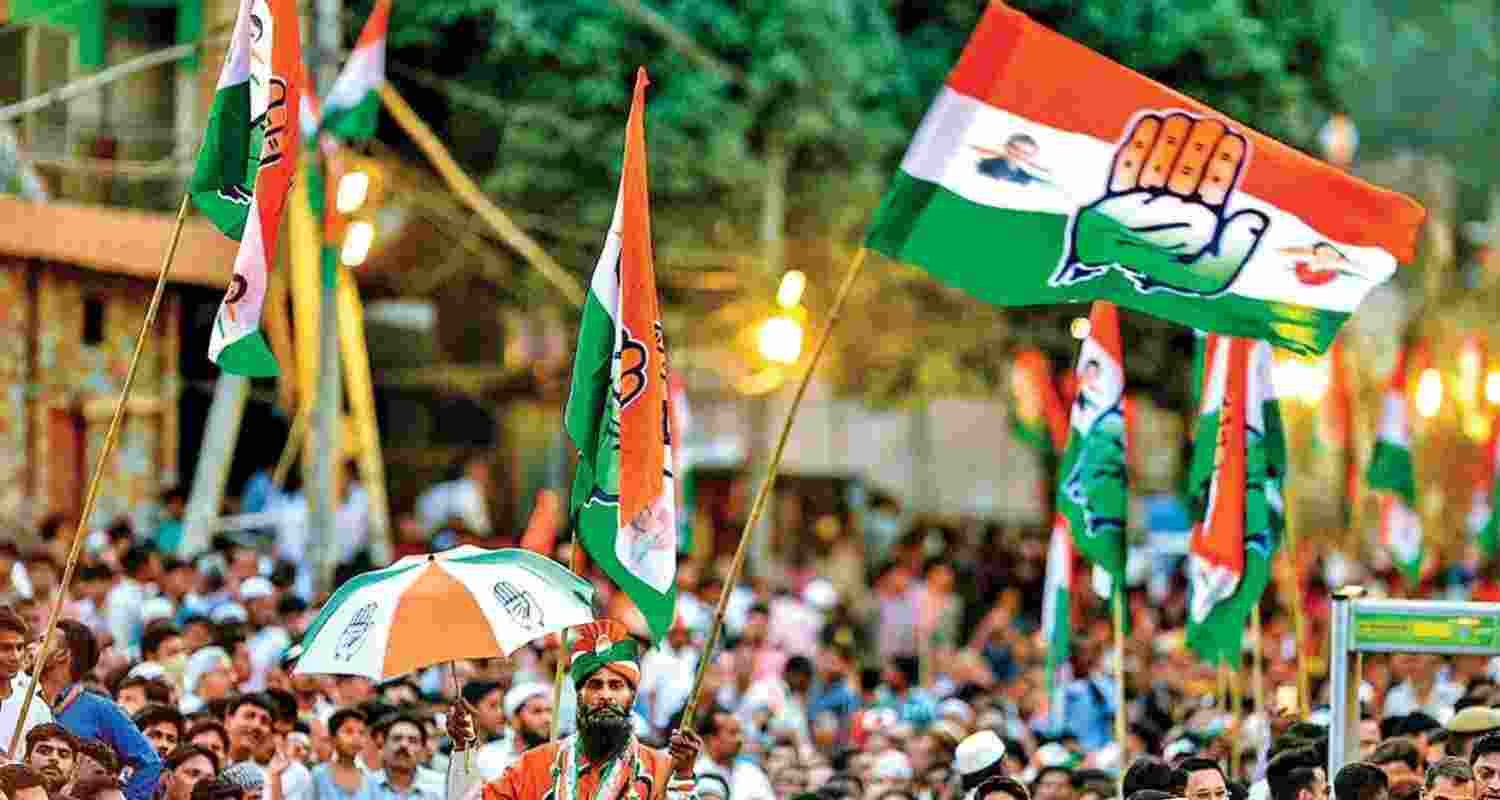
pixel 467 602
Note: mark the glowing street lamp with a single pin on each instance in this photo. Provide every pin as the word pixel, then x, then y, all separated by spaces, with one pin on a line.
pixel 354 189
pixel 1429 393
pixel 1081 328
pixel 780 340
pixel 789 293
pixel 1492 387
pixel 357 241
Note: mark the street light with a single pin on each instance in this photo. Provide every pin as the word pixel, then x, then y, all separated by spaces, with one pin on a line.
pixel 357 241
pixel 354 188
pixel 789 293
pixel 1492 387
pixel 1081 328
pixel 1429 393
pixel 780 340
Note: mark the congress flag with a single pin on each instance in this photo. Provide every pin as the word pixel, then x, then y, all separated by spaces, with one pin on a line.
pixel 1091 483
pixel 245 169
pixel 617 413
pixel 1045 173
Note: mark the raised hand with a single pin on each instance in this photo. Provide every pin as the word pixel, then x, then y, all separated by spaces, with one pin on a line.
pixel 1162 218
pixel 461 727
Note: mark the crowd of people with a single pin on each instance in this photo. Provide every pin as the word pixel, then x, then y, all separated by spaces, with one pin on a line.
pixel 904 666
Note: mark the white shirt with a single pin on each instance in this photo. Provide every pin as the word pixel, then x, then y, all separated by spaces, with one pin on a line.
pixel 10 711
pixel 667 682
pixel 746 780
pixel 1402 699
pixel 460 498
pixel 492 759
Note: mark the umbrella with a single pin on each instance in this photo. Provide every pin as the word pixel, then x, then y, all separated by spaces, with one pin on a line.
pixel 466 602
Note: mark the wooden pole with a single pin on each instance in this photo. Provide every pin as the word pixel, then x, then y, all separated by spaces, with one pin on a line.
pixel 93 493
pixel 1120 710
pixel 1257 664
pixel 1298 627
pixel 469 192
pixel 562 649
pixel 289 450
pixel 765 492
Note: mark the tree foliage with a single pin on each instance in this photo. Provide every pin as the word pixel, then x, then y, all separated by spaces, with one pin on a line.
pixel 839 85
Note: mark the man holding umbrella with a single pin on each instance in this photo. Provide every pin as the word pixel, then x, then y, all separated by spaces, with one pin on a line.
pixel 603 761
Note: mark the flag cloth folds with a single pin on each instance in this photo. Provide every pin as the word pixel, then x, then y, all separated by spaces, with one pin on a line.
pixel 1391 474
pixel 617 413
pixel 245 168
pixel 1036 412
pixel 352 108
pixel 1237 500
pixel 1091 494
pixel 1057 610
pixel 1103 184
pixel 1488 534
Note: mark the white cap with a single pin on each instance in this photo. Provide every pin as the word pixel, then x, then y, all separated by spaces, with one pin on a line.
pixel 820 594
pixel 229 612
pixel 979 751
pixel 954 707
pixel 892 765
pixel 157 608
pixel 255 587
pixel 520 693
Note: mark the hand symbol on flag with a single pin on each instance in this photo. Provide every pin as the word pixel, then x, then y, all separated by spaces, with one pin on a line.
pixel 1162 219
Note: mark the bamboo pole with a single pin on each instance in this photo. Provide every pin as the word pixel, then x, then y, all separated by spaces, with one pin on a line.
pixel 360 389
pixel 765 492
pixel 93 492
pixel 1120 710
pixel 289 450
pixel 562 649
pixel 469 191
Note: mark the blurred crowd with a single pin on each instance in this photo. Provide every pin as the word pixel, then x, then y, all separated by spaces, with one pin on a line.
pixel 905 663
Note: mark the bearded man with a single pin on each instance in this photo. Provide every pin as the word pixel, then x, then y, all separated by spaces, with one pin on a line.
pixel 603 761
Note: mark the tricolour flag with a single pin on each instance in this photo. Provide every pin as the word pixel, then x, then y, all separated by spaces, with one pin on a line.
pixel 245 168
pixel 1391 475
pixel 1056 610
pixel 352 107
pixel 617 412
pixel 1336 426
pixel 1488 534
pixel 1091 495
pixel 1036 411
pixel 1102 184
pixel 1238 502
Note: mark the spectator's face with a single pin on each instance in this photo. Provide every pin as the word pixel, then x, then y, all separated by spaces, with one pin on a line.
pixel 1206 784
pixel 490 713
pixel 297 749
pixel 354 689
pixel 109 794
pixel 198 635
pixel 1447 789
pixel 12 647
pixel 217 682
pixel 170 648
pixel 724 744
pixel 187 775
pixel 351 739
pixel 1398 771
pixel 789 782
pixel 1369 737
pixel 756 625
pixel 163 737
pixel 89 769
pixel 249 726
pixel 1057 785
pixel 923 753
pixel 54 758
pixel 132 699
pixel 799 682
pixel 1487 776
pixel 402 746
pixel 213 743
pixel 534 720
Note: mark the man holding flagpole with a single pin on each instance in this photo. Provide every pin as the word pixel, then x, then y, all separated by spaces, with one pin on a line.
pixel 604 760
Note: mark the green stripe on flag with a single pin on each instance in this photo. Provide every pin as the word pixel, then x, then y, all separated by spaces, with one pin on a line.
pixel 1391 470
pixel 925 224
pixel 224 175
pixel 356 123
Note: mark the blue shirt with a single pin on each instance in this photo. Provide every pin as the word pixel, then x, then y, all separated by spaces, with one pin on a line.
pixel 380 788
pixel 839 698
pixel 326 788
pixel 1089 711
pixel 92 716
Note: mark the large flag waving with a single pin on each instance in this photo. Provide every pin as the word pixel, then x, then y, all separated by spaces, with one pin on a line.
pixel 1392 475
pixel 1106 185
pixel 245 168
pixel 1091 495
pixel 1238 500
pixel 352 107
pixel 617 412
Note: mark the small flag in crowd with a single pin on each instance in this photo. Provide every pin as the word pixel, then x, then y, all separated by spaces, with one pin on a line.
pixel 352 108
pixel 1392 476
pixel 1091 493
pixel 1057 610
pixel 1036 411
pixel 245 169
pixel 1488 534
pixel 617 412
pixel 1236 490
pixel 1103 184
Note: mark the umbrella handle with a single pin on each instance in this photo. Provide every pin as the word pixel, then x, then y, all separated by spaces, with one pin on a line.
pixel 458 695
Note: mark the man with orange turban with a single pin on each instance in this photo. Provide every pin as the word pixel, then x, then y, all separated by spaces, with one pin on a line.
pixel 603 761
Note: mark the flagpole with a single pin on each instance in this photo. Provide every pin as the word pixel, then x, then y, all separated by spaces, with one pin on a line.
pixel 289 450
pixel 1257 664
pixel 765 491
pixel 1119 615
pixel 1235 696
pixel 562 650
pixel 88 503
pixel 1304 702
